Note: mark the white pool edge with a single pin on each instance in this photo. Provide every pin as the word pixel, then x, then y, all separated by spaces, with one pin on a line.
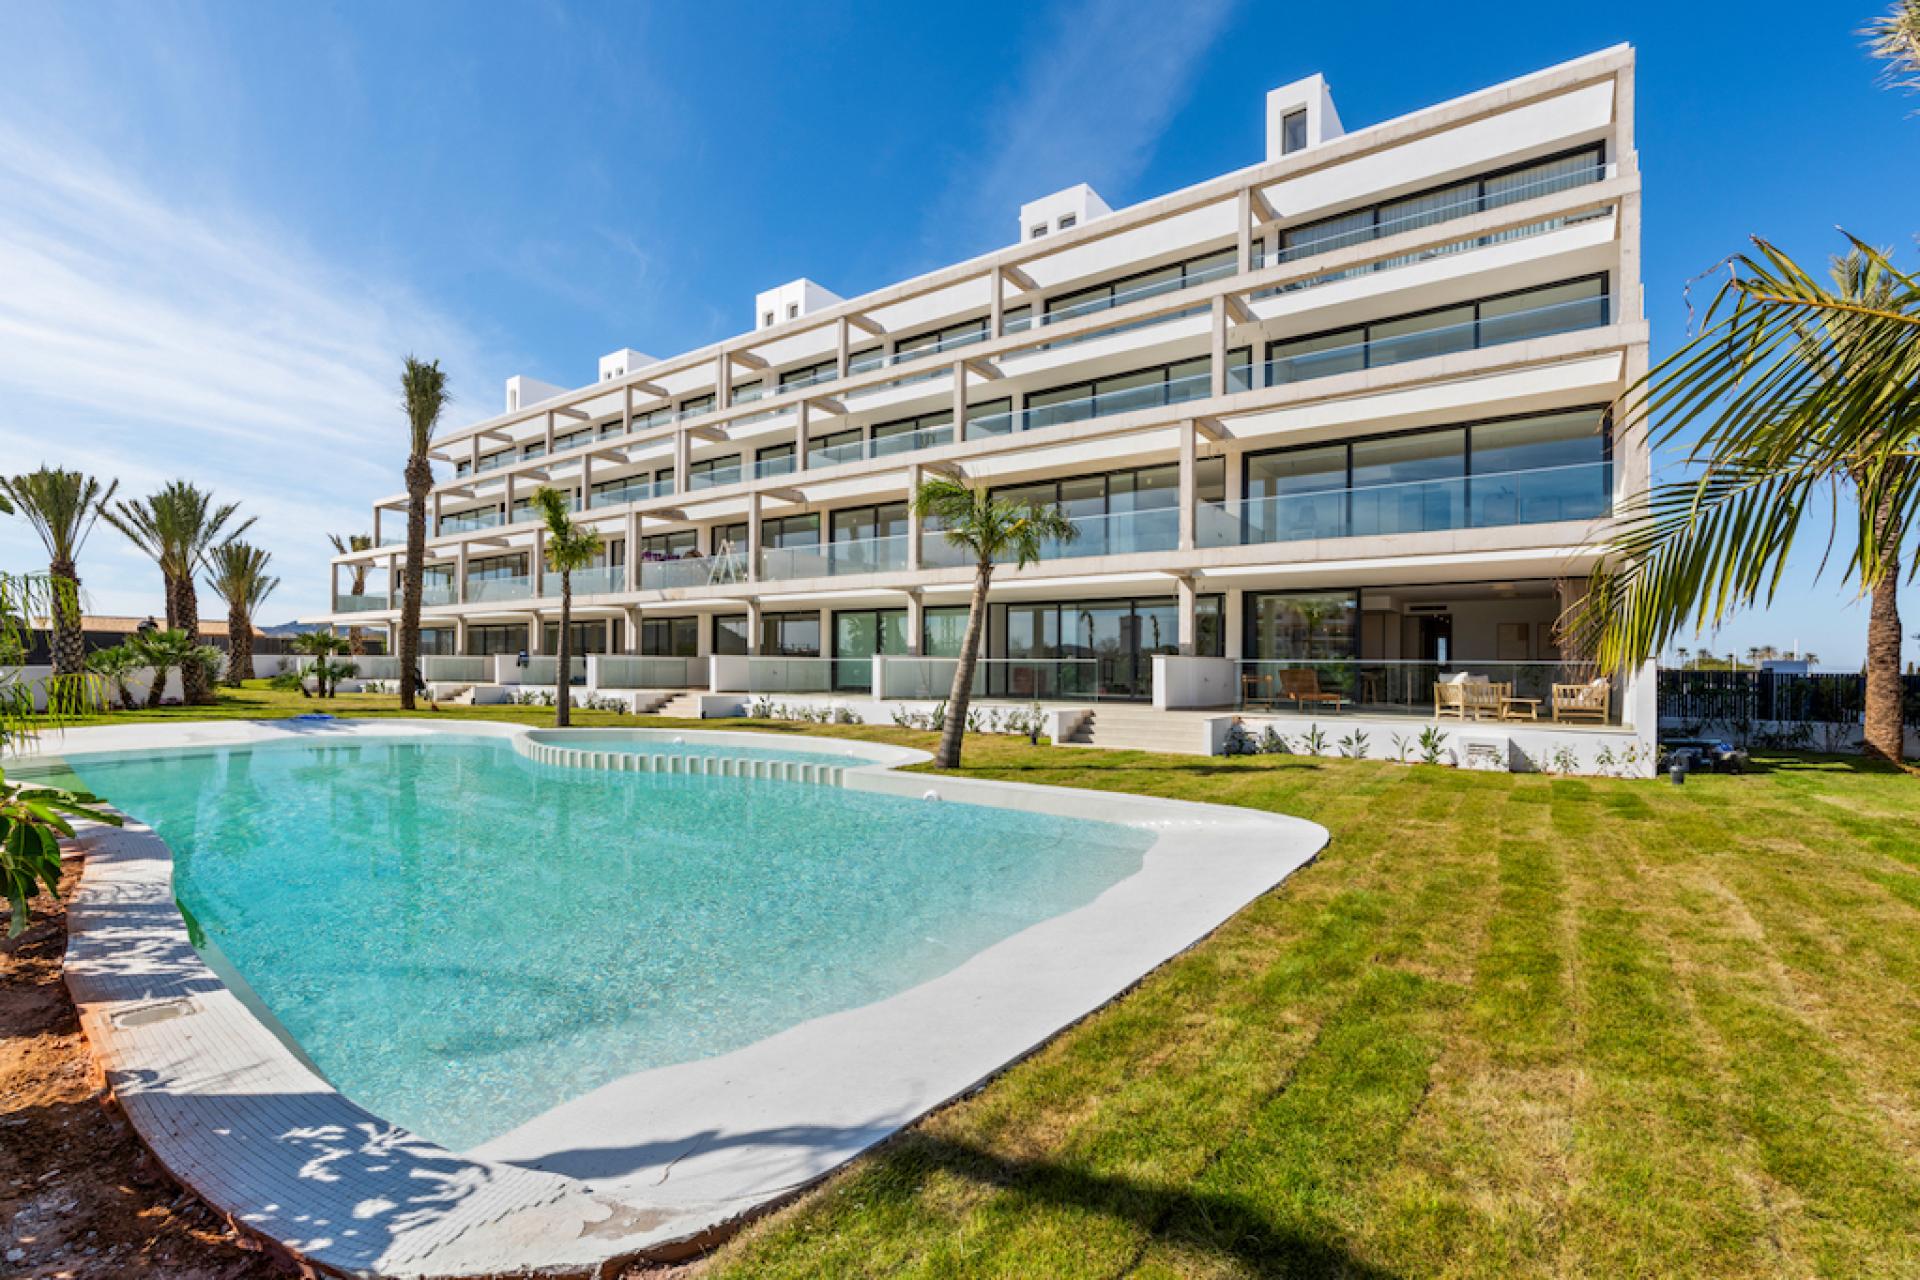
pixel 648 1160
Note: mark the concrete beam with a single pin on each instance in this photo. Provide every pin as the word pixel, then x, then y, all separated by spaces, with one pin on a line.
pixel 1210 427
pixel 747 360
pixel 1020 279
pixel 1237 308
pixel 706 433
pixel 986 369
pixel 867 324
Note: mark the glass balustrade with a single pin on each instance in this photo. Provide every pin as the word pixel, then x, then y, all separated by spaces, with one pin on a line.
pixel 1028 679
pixel 1520 692
pixel 780 466
pixel 486 590
pixel 692 571
pixel 1113 534
pixel 362 603
pixel 588 582
pixel 638 491
pixel 438 593
pixel 468 521
pixel 714 478
pixel 1489 331
pixel 1583 491
pixel 643 671
pixel 833 559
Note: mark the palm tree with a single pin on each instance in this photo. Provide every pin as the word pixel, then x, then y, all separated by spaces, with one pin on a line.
pixel 323 647
pixel 162 651
pixel 356 639
pixel 176 528
pixel 239 576
pixel 570 546
pixel 114 664
pixel 1895 39
pixel 423 394
pixel 62 507
pixel 993 529
pixel 1800 392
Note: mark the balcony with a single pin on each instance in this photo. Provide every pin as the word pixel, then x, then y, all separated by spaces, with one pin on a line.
pixel 599 580
pixel 1117 533
pixel 1153 395
pixel 362 603
pixel 692 571
pixel 490 590
pixel 637 491
pixel 1400 687
pixel 640 671
pixel 1422 344
pixel 714 478
pixel 468 521
pixel 1583 491
pixel 780 466
pixel 834 559
pixel 438 593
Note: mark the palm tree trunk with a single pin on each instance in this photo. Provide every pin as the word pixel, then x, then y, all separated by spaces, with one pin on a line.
pixel 356 639
pixel 171 595
pixel 157 688
pixel 194 690
pixel 563 677
pixel 951 733
pixel 69 644
pixel 419 480
pixel 239 645
pixel 1883 731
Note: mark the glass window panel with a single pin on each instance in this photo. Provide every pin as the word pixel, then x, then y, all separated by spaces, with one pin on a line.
pixel 1305 625
pixel 1428 208
pixel 1297 471
pixel 1541 179
pixel 1552 440
pixel 1327 235
pixel 853 525
pixel 1560 308
pixel 790 635
pixel 943 630
pixel 1210 479
pixel 1427 455
pixel 1342 351
pixel 730 634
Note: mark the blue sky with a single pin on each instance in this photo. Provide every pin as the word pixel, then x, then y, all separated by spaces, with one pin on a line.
pixel 222 225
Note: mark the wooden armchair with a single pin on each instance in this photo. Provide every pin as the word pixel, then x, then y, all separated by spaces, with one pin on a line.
pixel 1469 699
pixel 1583 703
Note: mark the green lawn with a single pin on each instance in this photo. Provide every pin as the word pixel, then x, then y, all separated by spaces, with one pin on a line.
pixel 1504 1026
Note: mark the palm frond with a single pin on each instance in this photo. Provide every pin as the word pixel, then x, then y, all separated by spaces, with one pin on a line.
pixel 424 397
pixel 62 507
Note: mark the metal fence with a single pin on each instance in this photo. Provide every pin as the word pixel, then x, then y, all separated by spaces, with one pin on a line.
pixel 1740 697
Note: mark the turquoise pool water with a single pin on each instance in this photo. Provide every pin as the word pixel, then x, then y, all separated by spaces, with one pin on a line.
pixel 460 938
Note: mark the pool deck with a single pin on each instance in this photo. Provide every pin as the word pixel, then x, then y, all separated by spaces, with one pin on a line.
pixel 649 1161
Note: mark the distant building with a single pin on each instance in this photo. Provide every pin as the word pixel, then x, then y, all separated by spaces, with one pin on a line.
pixel 103 632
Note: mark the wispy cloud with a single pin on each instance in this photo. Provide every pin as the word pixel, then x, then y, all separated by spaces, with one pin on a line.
pixel 1089 103
pixel 148 340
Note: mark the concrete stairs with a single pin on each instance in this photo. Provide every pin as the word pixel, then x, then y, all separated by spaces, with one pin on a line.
pixel 1130 727
pixel 680 706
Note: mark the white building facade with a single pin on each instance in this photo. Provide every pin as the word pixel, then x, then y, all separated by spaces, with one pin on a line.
pixel 1345 412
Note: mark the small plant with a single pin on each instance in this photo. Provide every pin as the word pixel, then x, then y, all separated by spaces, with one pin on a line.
pixel 1314 742
pixel 1603 761
pixel 843 715
pixel 114 665
pixel 1401 745
pixel 32 822
pixel 1238 741
pixel 1433 745
pixel 1354 746
pixel 1274 743
pixel 1564 760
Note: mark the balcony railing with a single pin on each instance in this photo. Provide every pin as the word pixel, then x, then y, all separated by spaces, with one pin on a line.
pixel 637 491
pixel 1029 679
pixel 1489 331
pixel 598 580
pixel 438 593
pixel 780 466
pixel 488 590
pixel 1582 491
pixel 1154 395
pixel 457 668
pixel 835 559
pixel 715 478
pixel 1332 687
pixel 640 671
pixel 363 603
pixel 1134 293
pixel 692 571
pixel 1463 208
pixel 468 521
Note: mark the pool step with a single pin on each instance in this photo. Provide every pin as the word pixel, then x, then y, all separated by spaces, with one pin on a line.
pixel 830 775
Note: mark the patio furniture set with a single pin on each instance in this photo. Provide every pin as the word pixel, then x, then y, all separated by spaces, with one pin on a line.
pixel 1463 697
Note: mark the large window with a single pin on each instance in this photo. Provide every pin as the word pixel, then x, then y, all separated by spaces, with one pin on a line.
pixel 1091 648
pixel 1150 388
pixel 1301 625
pixel 943 630
pixel 588 637
pixel 438 641
pixel 710 472
pixel 670 637
pixel 782 635
pixel 1543 467
pixel 1118 512
pixel 859 634
pixel 677 545
pixel 1510 317
pixel 491 639
pixel 1143 284
pixel 492 568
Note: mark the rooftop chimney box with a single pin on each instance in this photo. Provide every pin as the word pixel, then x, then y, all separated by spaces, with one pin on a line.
pixel 523 391
pixel 790 301
pixel 1300 115
pixel 618 364
pixel 1061 211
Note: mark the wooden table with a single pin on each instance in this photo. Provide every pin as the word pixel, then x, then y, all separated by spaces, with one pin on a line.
pixel 1512 708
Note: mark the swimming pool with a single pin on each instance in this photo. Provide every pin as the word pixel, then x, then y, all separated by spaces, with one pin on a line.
pixel 664 742
pixel 460 939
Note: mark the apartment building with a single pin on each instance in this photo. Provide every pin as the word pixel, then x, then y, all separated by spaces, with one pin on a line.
pixel 1342 412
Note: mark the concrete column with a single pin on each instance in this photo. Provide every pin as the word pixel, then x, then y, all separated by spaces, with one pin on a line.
pixel 536 633
pixel 632 614
pixel 473 456
pixel 1189 614
pixel 753 536
pixel 959 401
pixel 333 584
pixel 507 512
pixel 392 574
pixel 548 436
pixel 1189 487
pixel 916 623
pixel 753 626
pixel 626 410
pixel 1232 620
pixel 722 381
pixel 843 343
pixel 997 307
pixel 826 637
pixel 633 550
pixel 460 573
pixel 376 526
pixel 460 634
pixel 1243 241
pixel 1219 384
pixel 916 536
pixel 801 430
pixel 682 455
pixel 586 481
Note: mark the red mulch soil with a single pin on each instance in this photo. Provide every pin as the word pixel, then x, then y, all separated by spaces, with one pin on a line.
pixel 79 1195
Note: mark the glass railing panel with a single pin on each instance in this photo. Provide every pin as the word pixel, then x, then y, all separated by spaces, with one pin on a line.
pixel 438 593
pixel 1579 491
pixel 1518 326
pixel 834 454
pixel 789 675
pixel 715 478
pixel 454 667
pixel 587 582
pixel 392 539
pixel 647 671
pixel 1116 533
pixel 541 669
pixel 1024 679
pixel 362 603
pixel 469 521
pixel 482 590
pixel 639 491
pixel 692 571
pixel 1520 692
pixel 764 467
pixel 910 441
